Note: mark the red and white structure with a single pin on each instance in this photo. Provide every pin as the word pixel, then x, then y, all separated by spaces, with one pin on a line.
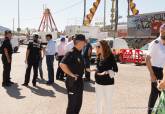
pixel 47 23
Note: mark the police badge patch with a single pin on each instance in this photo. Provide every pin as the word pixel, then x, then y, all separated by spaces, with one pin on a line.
pixel 78 59
pixel 156 41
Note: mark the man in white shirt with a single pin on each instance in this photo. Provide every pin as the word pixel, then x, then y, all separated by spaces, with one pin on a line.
pixel 69 45
pixel 155 62
pixel 60 53
pixel 50 53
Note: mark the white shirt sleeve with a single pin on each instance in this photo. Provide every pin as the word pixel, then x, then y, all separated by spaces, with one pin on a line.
pixel 152 49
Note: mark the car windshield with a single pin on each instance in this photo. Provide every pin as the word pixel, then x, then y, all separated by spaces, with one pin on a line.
pixel 93 40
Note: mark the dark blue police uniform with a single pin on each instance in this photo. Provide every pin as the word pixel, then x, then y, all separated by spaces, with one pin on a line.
pixel 75 63
pixel 33 61
pixel 6 65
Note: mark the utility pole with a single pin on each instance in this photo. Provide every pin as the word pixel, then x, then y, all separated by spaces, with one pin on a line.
pixel 104 13
pixel 128 7
pixel 116 15
pixel 13 25
pixel 84 12
pixel 18 29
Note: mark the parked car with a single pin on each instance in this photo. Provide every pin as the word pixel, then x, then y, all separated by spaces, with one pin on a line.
pixel 115 43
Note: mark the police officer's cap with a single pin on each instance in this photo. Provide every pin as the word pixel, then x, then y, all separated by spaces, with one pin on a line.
pixel 80 37
pixel 62 39
pixel 8 32
pixel 35 36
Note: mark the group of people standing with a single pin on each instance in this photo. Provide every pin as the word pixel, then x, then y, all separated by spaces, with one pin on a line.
pixel 73 61
pixel 34 56
pixel 73 65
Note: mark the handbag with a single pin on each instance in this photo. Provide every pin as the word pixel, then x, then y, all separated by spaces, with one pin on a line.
pixel 160 107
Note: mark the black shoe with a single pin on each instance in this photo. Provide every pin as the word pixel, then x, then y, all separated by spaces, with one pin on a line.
pixel 6 85
pixel 34 84
pixel 62 79
pixel 25 85
pixel 10 82
pixel 42 77
pixel 87 80
pixel 49 83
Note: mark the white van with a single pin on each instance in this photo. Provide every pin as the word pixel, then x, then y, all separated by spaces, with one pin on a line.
pixel 117 43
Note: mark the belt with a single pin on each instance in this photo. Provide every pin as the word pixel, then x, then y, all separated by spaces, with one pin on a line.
pixel 160 68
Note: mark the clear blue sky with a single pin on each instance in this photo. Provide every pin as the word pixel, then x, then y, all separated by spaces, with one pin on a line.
pixel 31 11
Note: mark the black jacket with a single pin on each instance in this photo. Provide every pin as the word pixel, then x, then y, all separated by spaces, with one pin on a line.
pixel 104 65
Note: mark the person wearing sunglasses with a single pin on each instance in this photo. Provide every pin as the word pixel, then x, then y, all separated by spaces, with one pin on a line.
pixel 104 77
pixel 155 62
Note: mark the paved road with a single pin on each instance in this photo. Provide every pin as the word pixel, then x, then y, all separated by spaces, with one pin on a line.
pixel 130 96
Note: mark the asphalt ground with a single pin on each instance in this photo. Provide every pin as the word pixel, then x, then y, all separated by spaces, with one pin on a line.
pixel 132 88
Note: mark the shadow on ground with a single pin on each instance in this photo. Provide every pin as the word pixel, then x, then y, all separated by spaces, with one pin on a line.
pixel 59 88
pixel 41 91
pixel 14 91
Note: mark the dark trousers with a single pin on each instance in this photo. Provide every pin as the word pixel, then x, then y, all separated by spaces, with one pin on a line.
pixel 87 65
pixel 75 95
pixel 6 71
pixel 60 73
pixel 154 91
pixel 40 69
pixel 28 71
pixel 50 67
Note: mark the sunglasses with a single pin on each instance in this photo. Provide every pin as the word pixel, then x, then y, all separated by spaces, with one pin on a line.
pixel 97 46
pixel 163 37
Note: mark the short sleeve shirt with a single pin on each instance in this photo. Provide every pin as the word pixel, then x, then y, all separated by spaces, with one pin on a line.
pixel 74 61
pixel 35 52
pixel 157 53
pixel 7 45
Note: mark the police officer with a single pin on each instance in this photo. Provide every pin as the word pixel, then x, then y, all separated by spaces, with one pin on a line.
pixel 7 59
pixel 155 62
pixel 73 65
pixel 33 56
pixel 87 52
